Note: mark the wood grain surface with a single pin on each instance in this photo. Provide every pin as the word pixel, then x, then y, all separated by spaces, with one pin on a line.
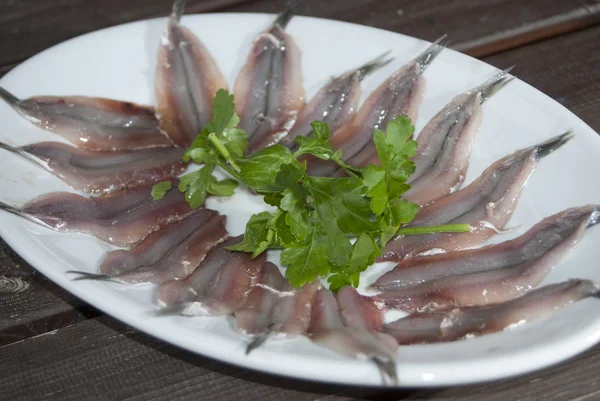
pixel 30 304
pixel 478 28
pixel 554 45
pixel 475 27
pixel 30 26
pixel 101 359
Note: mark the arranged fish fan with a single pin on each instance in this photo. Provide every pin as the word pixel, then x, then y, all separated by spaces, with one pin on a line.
pixel 452 287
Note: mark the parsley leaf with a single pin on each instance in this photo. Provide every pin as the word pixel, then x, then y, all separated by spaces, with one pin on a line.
pixel 403 212
pixel 255 229
pixel 223 112
pixel 195 185
pixel 261 169
pixel 339 280
pixel 160 190
pixel 364 252
pixel 374 180
pixel 315 217
pixel 317 143
pixel 225 187
pixel 295 204
pixel 326 248
pixel 200 148
pixel 340 201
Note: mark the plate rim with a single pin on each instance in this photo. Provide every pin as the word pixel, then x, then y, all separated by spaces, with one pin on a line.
pixel 79 290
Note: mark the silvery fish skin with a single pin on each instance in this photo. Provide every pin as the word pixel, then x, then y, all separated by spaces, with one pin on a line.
pixel 122 219
pixel 187 78
pixel 335 103
pixel 445 143
pixel 93 123
pixel 218 287
pixel 269 92
pixel 538 240
pixel 459 323
pixel 328 330
pixel 291 314
pixel 103 172
pixel 486 204
pixel 400 94
pixel 253 318
pixel 172 252
pixel 359 311
pixel 511 279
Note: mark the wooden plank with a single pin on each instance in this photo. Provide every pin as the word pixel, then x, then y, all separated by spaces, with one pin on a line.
pixel 477 28
pixel 30 26
pixel 29 303
pixel 566 68
pixel 102 359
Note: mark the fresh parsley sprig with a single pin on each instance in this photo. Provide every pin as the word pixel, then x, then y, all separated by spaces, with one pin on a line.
pixel 325 227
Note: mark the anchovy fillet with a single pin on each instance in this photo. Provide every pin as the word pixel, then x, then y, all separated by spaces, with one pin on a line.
pixel 93 123
pixel 399 94
pixel 122 219
pixel 542 238
pixel 187 78
pixel 434 327
pixel 445 143
pixel 171 253
pixel 103 172
pixel 268 91
pixel 218 287
pixel 335 103
pixel 291 314
pixel 514 277
pixel 328 330
pixel 253 318
pixel 486 204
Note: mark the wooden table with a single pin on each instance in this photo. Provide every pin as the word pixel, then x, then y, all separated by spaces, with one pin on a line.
pixel 54 346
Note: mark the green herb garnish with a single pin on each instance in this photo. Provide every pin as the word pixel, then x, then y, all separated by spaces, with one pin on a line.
pixel 160 190
pixel 316 217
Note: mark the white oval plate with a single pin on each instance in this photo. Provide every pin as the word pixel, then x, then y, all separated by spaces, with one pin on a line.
pixel 119 63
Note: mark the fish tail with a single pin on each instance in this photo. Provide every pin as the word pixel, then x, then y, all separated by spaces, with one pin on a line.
pixel 257 342
pixel 260 339
pixel 91 276
pixel 177 10
pixel 11 209
pixel 17 151
pixel 387 367
pixel 373 65
pixel 428 55
pixel 9 98
pixel 289 10
pixel 9 148
pixel 493 85
pixel 545 148
pixel 22 153
pixel 21 213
